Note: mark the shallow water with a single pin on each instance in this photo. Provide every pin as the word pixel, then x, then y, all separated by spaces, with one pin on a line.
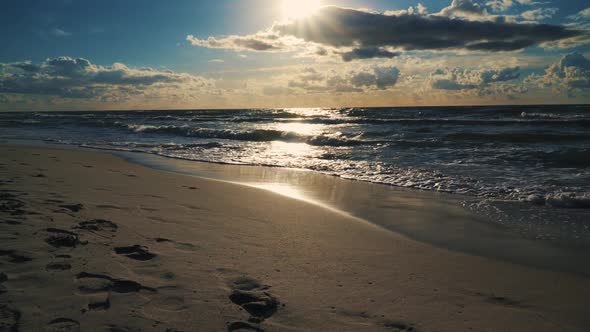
pixel 436 218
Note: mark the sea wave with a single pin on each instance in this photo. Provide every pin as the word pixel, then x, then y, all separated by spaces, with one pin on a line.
pixel 516 137
pixel 562 200
pixel 256 135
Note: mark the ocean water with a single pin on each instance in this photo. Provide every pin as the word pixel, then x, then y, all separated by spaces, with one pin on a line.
pixel 525 167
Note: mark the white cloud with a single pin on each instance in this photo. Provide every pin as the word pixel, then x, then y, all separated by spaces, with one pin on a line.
pixel 539 14
pixel 503 5
pixel 571 74
pixel 361 79
pixel 582 15
pixel 418 10
pixel 60 33
pixel 67 77
pixel 463 8
pixel 469 79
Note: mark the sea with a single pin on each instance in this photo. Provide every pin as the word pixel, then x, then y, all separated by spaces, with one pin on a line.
pixel 524 167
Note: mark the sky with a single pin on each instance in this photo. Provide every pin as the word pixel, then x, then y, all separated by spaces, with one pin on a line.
pixel 181 54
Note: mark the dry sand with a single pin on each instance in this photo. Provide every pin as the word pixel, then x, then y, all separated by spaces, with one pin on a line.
pixel 90 242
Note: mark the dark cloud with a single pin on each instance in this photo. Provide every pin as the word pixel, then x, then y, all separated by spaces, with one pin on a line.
pixel 368 53
pixel 342 27
pixel 358 34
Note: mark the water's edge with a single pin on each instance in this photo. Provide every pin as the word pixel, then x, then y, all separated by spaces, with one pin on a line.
pixel 438 219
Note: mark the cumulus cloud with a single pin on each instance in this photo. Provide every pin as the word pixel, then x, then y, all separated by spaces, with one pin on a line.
pixel 418 10
pixel 358 34
pixel 463 8
pixel 571 74
pixel 583 15
pixel 358 80
pixel 266 41
pixel 468 79
pixel 539 14
pixel 503 5
pixel 68 77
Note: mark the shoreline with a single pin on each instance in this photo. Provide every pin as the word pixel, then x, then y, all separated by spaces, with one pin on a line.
pixel 382 205
pixel 150 250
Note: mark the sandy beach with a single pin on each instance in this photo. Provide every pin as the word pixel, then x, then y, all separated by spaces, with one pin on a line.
pixel 91 242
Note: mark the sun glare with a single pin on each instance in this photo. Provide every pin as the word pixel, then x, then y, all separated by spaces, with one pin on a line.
pixel 294 9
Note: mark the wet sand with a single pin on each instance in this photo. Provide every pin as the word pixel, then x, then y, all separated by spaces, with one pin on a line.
pixel 90 242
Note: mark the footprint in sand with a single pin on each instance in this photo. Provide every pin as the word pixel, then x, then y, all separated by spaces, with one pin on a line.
pixel 499 300
pixel 399 326
pixel 3 278
pixel 253 297
pixel 107 206
pixel 505 301
pixel 98 225
pixel 9 318
pixel 117 328
pixel 99 302
pixel 58 267
pixel 15 257
pixel 136 252
pixel 95 283
pixel 178 245
pixel 62 238
pixel 62 325
pixel 9 203
pixel 73 207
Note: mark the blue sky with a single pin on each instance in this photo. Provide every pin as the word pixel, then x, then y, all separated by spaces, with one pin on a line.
pixel 137 34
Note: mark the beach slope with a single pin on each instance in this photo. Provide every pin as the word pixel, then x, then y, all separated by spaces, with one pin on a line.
pixel 90 242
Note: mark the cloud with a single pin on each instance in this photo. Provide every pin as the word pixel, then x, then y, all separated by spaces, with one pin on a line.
pixel 60 33
pixel 341 27
pixel 582 15
pixel 381 77
pixel 418 10
pixel 571 74
pixel 360 34
pixel 368 53
pixel 357 80
pixel 26 66
pixel 217 61
pixel 463 8
pixel 468 79
pixel 267 41
pixel 68 77
pixel 539 14
pixel 503 5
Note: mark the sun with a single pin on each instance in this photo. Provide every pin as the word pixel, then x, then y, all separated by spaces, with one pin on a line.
pixel 294 9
